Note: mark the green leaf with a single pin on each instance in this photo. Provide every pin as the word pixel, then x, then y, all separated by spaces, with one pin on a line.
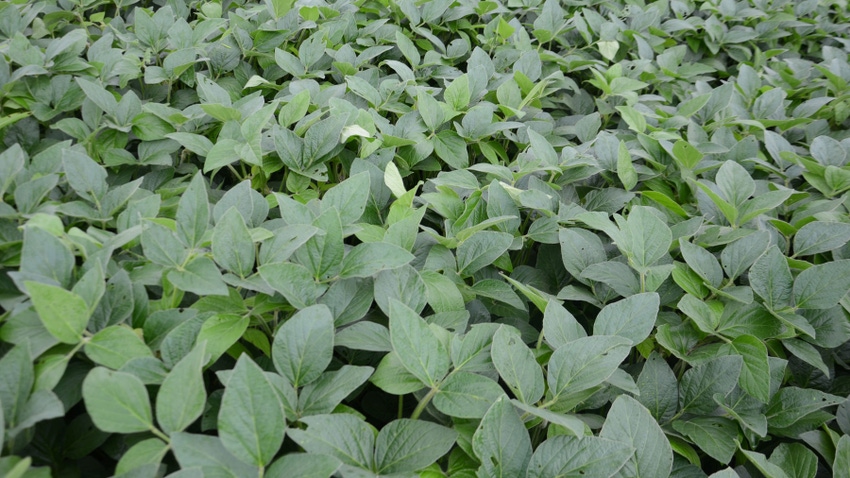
pixel 842 455
pixel 644 238
pixel 405 446
pixel 367 259
pixel 305 465
pixel 560 326
pixel 392 377
pixel 628 422
pixel 115 346
pixel 232 246
pixel 755 372
pixel 823 285
pixel 303 345
pixel 585 363
pixel 714 435
pixel 625 169
pixel 481 250
pixel 117 402
pixel 659 390
pixel 345 437
pixel 735 183
pixel 251 418
pixel 702 262
pixel 201 277
pixel 451 148
pixel 575 457
pixel 324 394
pixel 86 177
pixel 571 423
pixel 220 332
pixel 322 254
pixel 768 469
pixel 632 318
pixel 467 395
pixel 699 384
pixel 791 404
pixel 501 442
pixel 182 396
pixel 206 451
pixel 770 278
pixel 63 313
pixel 193 212
pixel 687 155
pixel 796 460
pixel 516 365
pixel 294 282
pixel 738 256
pixel 818 236
pixel 457 93
pixel 145 452
pixel 16 381
pixel 349 197
pixel 418 349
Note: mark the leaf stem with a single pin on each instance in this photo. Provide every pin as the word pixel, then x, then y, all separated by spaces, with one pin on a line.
pixel 420 407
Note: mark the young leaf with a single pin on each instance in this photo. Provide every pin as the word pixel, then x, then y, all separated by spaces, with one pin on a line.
pixel 117 402
pixel 303 345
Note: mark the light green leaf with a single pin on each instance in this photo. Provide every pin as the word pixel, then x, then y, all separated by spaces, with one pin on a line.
pixel 303 345
pixel 117 402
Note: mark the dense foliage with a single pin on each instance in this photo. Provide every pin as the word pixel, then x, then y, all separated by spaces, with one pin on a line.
pixel 439 238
